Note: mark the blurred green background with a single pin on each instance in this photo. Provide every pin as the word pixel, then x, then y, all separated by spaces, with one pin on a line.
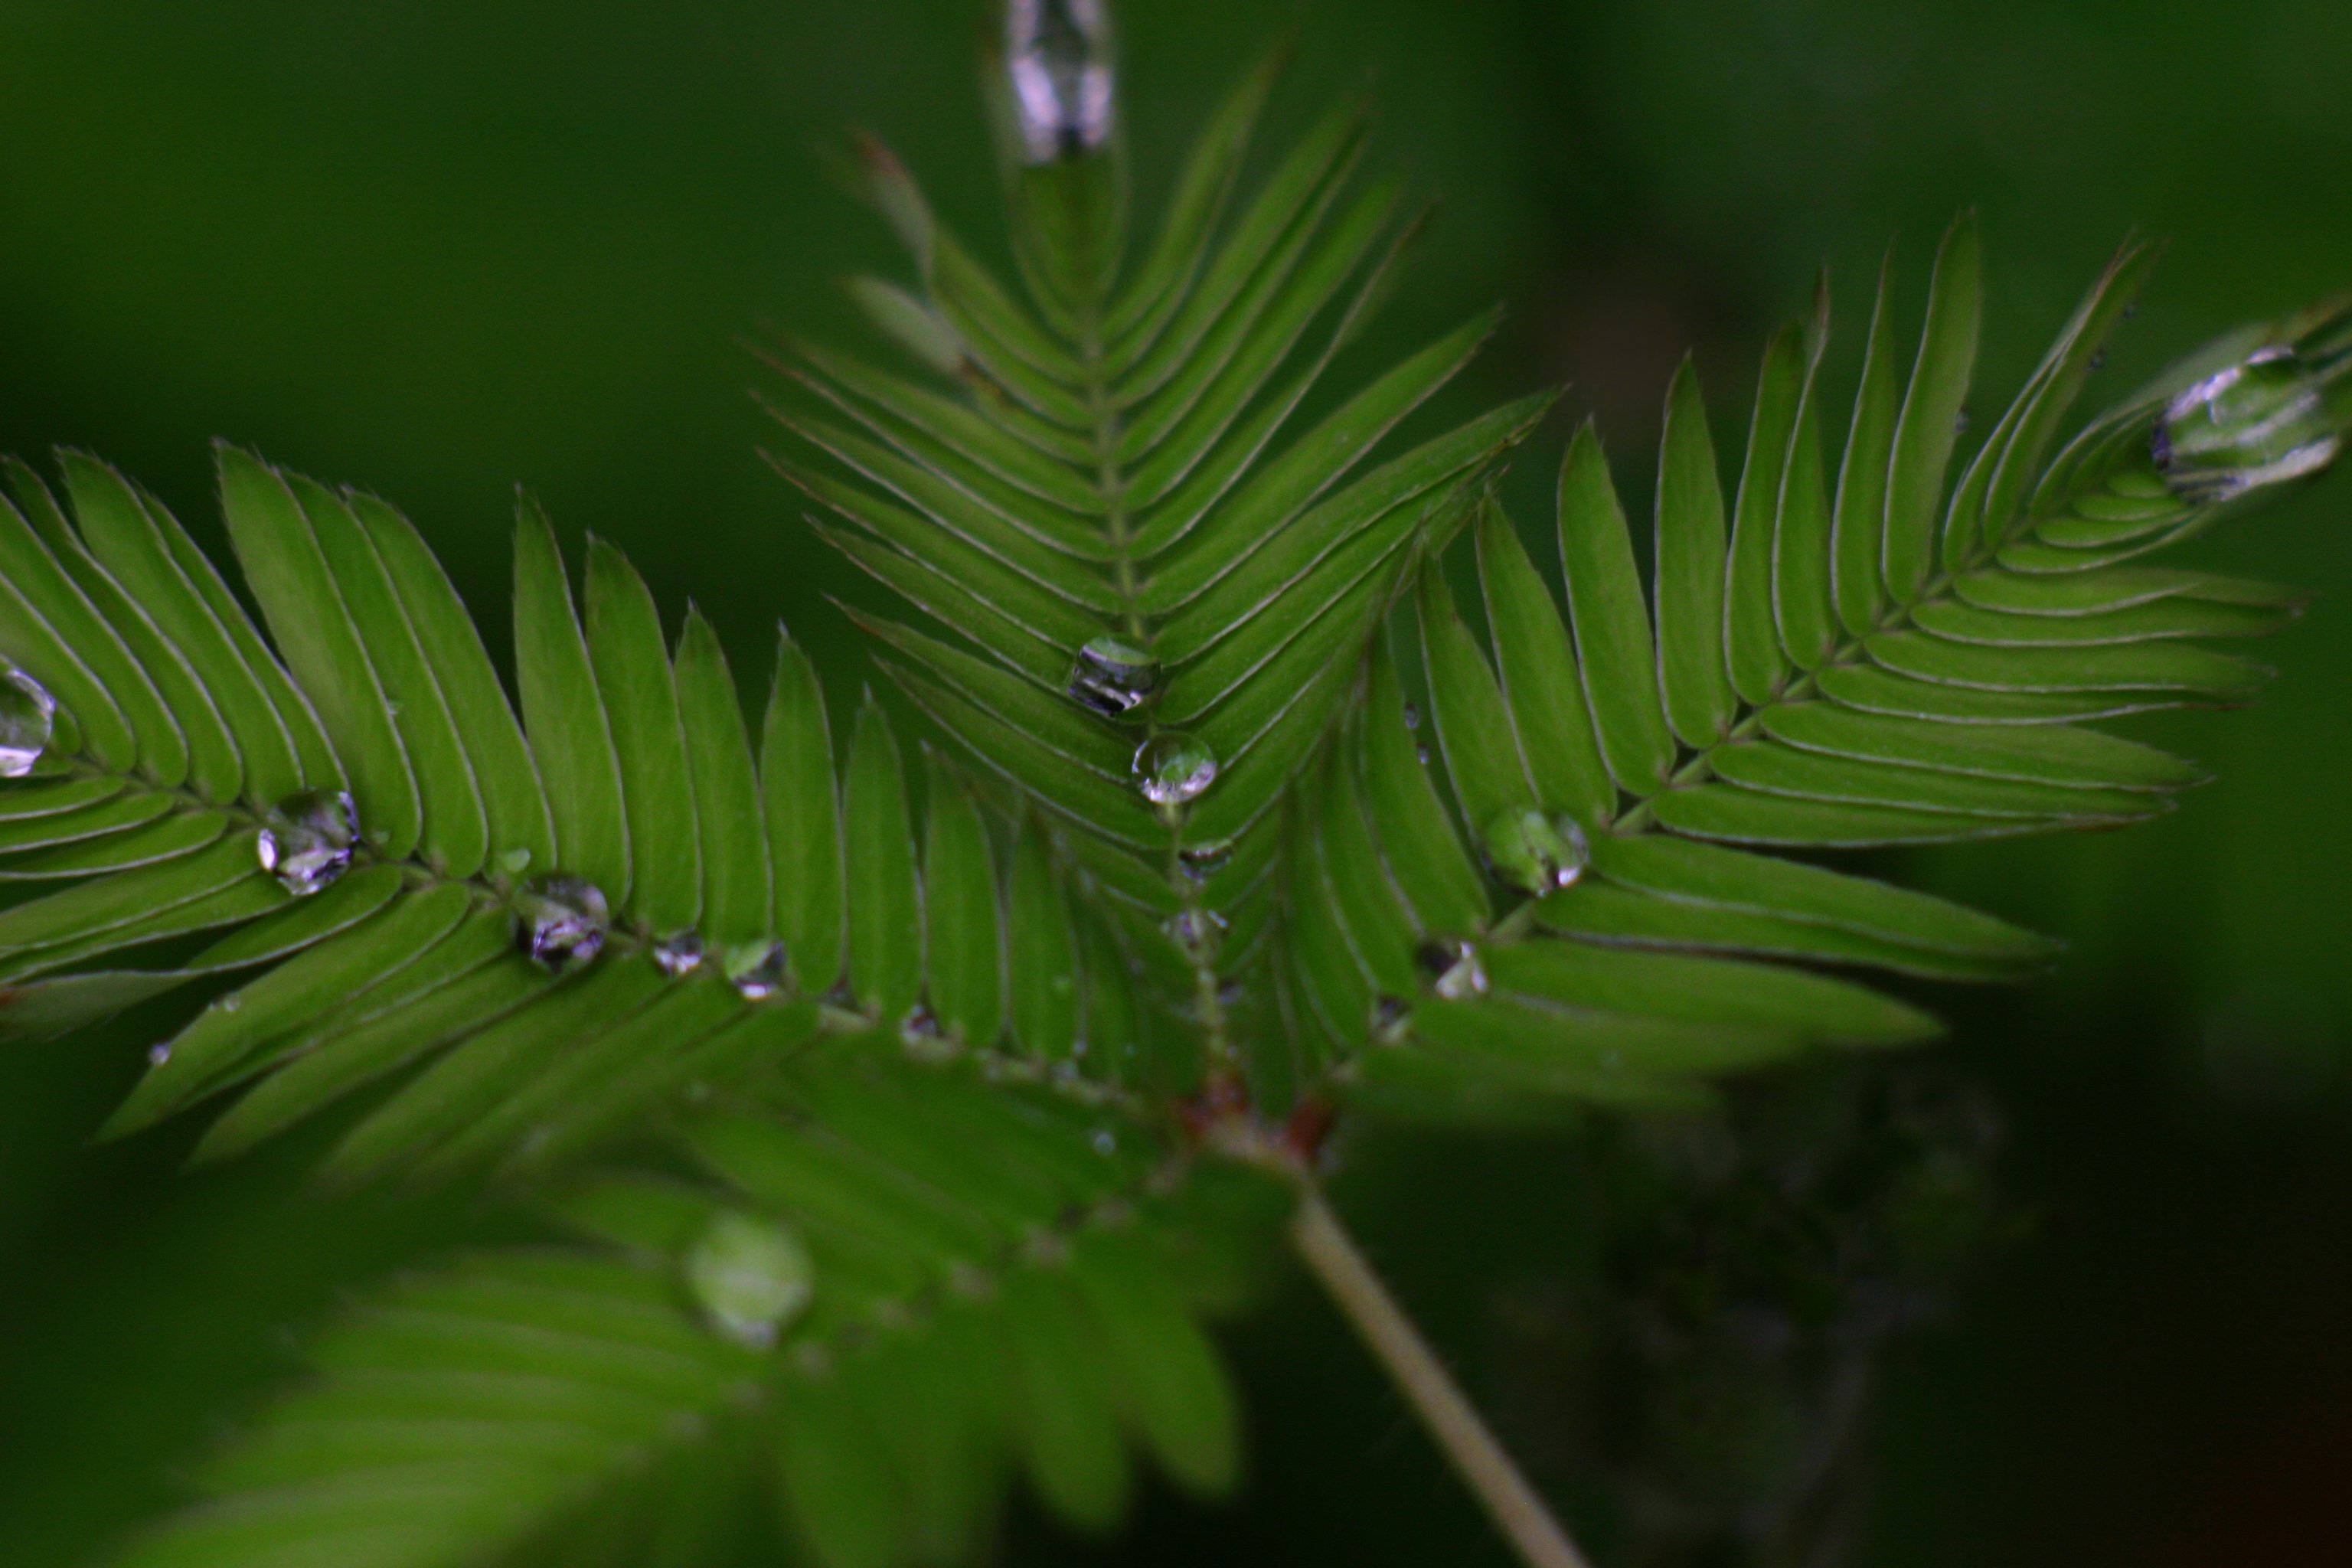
pixel 440 248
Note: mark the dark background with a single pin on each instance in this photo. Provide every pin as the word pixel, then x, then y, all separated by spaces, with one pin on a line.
pixel 439 249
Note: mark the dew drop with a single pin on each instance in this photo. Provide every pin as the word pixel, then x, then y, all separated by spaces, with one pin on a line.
pixel 28 719
pixel 1059 54
pixel 1412 717
pixel 1199 932
pixel 562 921
pixel 391 706
pixel 157 1055
pixel 1961 421
pixel 1171 768
pixel 757 970
pixel 1534 852
pixel 306 839
pixel 1199 862
pixel 919 1032
pixel 1106 1141
pixel 750 1276
pixel 2098 361
pixel 229 1004
pixel 1454 971
pixel 1392 1020
pixel 1113 678
pixel 680 956
pixel 515 862
pixel 1422 751
pixel 2260 422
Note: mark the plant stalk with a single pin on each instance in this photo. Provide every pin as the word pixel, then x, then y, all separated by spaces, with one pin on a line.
pixel 1330 1254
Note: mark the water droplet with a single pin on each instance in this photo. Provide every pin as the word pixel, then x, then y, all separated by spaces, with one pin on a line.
pixel 29 718
pixel 1106 1141
pixel 515 862
pixel 306 839
pixel 2098 360
pixel 1171 768
pixel 757 969
pixel 1412 717
pixel 1059 54
pixel 1535 853
pixel 1113 678
pixel 2261 422
pixel 1392 1020
pixel 563 920
pixel 1422 751
pixel 1199 862
pixel 920 1031
pixel 157 1055
pixel 1199 932
pixel 750 1276
pixel 229 1004
pixel 391 706
pixel 1961 421
pixel 679 955
pixel 1453 966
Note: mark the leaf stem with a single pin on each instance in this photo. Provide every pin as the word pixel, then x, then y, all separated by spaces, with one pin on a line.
pixel 1330 1254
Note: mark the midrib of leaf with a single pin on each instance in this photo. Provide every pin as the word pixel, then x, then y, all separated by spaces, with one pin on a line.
pixel 1209 1006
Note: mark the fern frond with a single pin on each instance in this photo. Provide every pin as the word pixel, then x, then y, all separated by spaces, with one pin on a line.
pixel 828 1303
pixel 1883 669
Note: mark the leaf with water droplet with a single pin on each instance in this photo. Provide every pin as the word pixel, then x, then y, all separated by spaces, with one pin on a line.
pixel 1455 970
pixel 1534 852
pixel 1057 56
pixel 562 921
pixel 306 839
pixel 1172 767
pixel 2261 422
pixel 1199 862
pixel 1113 678
pixel 757 970
pixel 1199 932
pixel 679 955
pixel 27 721
pixel 750 1276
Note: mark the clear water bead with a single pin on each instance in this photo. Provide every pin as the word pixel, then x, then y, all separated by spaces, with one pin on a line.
pixel 563 920
pixel 680 956
pixel 1536 853
pixel 1199 932
pixel 1059 54
pixel 306 839
pixel 1113 678
pixel 1171 768
pixel 157 1055
pixel 28 719
pixel 1199 862
pixel 758 970
pixel 1454 971
pixel 750 1276
pixel 2261 422
pixel 1392 1020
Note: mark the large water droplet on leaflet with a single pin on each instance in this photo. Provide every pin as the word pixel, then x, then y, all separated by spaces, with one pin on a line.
pixel 2261 422
pixel 757 969
pixel 1058 54
pixel 1113 678
pixel 306 839
pixel 750 1276
pixel 29 718
pixel 680 956
pixel 1171 768
pixel 1453 968
pixel 563 920
pixel 1534 852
